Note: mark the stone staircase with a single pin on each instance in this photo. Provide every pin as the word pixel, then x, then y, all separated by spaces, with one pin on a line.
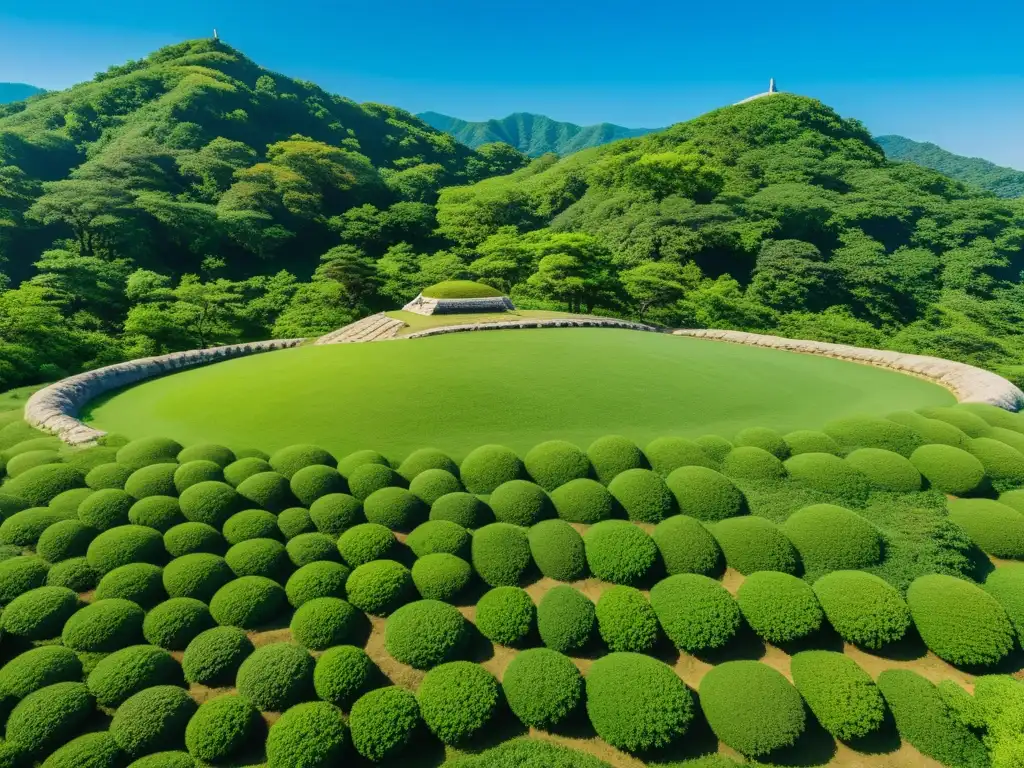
pixel 373 328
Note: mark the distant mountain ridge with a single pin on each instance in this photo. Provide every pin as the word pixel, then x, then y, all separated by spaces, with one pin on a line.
pixel 1004 182
pixel 534 135
pixel 17 92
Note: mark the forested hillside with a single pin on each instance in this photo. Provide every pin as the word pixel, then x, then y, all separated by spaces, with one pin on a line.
pixel 534 135
pixel 1004 182
pixel 16 92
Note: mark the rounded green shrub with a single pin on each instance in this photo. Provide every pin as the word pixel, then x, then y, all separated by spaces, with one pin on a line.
pixel 91 750
pixel 506 615
pixel 583 501
pixel 626 621
pixel 969 423
pixel 810 441
pixel 172 759
pixel 39 614
pixel 104 626
pixel 266 490
pixel 542 687
pixel 75 573
pixel 141 583
pixel 314 482
pixel 501 554
pixel 457 700
pixel 294 521
pixel 350 463
pixel 335 513
pixel 63 540
pixel 309 548
pixel 38 668
pixel 237 472
pixel 222 728
pixel 319 579
pixel 436 536
pixel 431 484
pixel 441 576
pixel 325 621
pixel 23 529
pixel 752 544
pixel 750 463
pixel 425 459
pixel 565 619
pixel 124 545
pixel 715 446
pixel 259 557
pixel 862 608
pixel 636 702
pixel 250 524
pixel 949 469
pixel 1013 499
pixel 197 576
pixel 154 480
pixel 214 656
pixel 382 722
pixel 193 538
pixel 290 460
pixel 958 621
pixel 369 478
pixel 248 602
pixel 842 696
pixel 380 587
pixel 665 454
pixel 751 707
pixel 931 430
pixel 695 611
pixel 520 502
pixel 198 471
pixel 779 607
pixel 643 494
pixel 924 721
pixel 686 546
pixel 160 513
pixel 426 633
pixel 764 438
pixel 29 460
pixel 395 508
pixel 870 432
pixel 152 720
pixel 1006 585
pixel 174 623
pixel 48 717
pixel 996 528
pixel 365 542
pixel 612 455
pixel 705 494
pixel 829 474
pixel 487 467
pixel 11 504
pixel 20 574
pixel 885 470
pixel 620 552
pixel 555 463
pixel 148 450
pixel 831 538
pixel 218 454
pixel 462 508
pixel 1003 465
pixel 313 735
pixel 1011 437
pixel 109 475
pixel 126 672
pixel 277 676
pixel 67 502
pixel 995 416
pixel 209 502
pixel 558 550
pixel 342 674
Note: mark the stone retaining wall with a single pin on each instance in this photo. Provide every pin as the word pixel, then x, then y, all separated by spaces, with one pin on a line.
pixel 424 305
pixel 590 322
pixel 967 383
pixel 54 408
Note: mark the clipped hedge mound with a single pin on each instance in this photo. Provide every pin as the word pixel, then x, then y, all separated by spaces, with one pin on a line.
pixel 424 460
pixel 487 467
pixel 259 557
pixel 354 460
pixel 959 622
pixel 612 455
pixel 309 548
pixel 176 622
pixel 696 612
pixel 924 721
pixel 441 576
pixel 110 475
pixel 555 463
pixel 241 470
pixel 542 687
pixel 342 674
pixel 247 602
pixel 23 529
pixel 173 759
pixel 104 626
pixel 842 696
pixel 148 450
pixel 250 524
pixel 465 509
pixel 870 432
pixel 750 463
pixel 1006 585
pixel 313 735
pixel 996 528
pixel 46 718
pixel 214 656
pixel 1003 465
pixel 752 544
pixel 105 509
pixel 191 538
pixel 751 707
pixel 457 700
pixel 506 615
pixel 705 494
pixel 558 550
pixel 394 508
pixel 154 480
pixel 199 471
pixel 1013 499
pixel 294 521
pixel 501 554
pixel 765 439
pixel 460 289
pixel 367 479
pixel 20 574
pixel 37 668
pixel 426 633
pixel 932 430
pixel 565 619
pixel 366 542
pixel 218 454
pixel 665 454
pixel 126 545
pixel 620 552
pixel 91 750
pixel 267 490
pixel 39 614
pixel 829 474
pixel 222 728
pixel 643 494
pixel 130 670
pixel 319 579
pixel 276 677
pixel 153 720
pixel 686 546
pixel 583 501
pixel 885 470
pixel 382 722
pixel 520 502
pixel 810 441
pixel 325 621
pixel 160 513
pixel 291 459
pixel 74 573
pixel 431 484
pixel 779 607
pixel 197 576
pixel 210 502
pixel 831 538
pixel 315 482
pixel 626 621
pixel 67 503
pixel 436 536
pixel 380 587
pixel 636 702
pixel 862 608
pixel 63 540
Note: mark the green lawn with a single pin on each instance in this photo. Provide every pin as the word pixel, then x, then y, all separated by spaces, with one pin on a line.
pixel 516 387
pixel 415 322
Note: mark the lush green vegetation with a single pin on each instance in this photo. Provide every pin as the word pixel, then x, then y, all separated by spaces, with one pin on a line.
pixel 1003 182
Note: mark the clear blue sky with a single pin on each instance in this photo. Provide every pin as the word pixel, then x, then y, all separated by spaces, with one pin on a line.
pixel 940 71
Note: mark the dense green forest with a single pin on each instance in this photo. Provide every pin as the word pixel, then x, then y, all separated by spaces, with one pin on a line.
pixel 17 92
pixel 194 198
pixel 1002 181
pixel 534 135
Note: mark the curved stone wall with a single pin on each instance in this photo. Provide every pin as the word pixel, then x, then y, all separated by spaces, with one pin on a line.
pixel 55 408
pixel 424 305
pixel 590 322
pixel 967 383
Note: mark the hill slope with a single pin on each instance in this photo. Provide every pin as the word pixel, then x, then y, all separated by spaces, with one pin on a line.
pixel 534 135
pixel 17 92
pixel 1004 182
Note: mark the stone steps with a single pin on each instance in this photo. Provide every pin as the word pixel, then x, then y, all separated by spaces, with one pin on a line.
pixel 376 327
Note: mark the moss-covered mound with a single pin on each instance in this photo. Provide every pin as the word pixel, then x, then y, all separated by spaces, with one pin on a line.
pixel 842 696
pixel 223 728
pixel 506 615
pixel 63 540
pixel 426 633
pixel 148 450
pixel 764 438
pixel 313 734
pixel 460 289
pixel 686 546
pixel 322 622
pixel 752 544
pixel 950 470
pixel 996 528
pixel 555 463
pixel 705 494
pixel 130 670
pixel 696 612
pixel 365 542
pixel 501 554
pixel 457 700
pixel 520 502
pixel 862 608
pixel 104 626
pixel 626 620
pixel 613 454
pixel 487 467
pixel 214 656
pixel 174 623
pixel 779 607
pixel 395 508
pixel 462 508
pixel 620 552
pixel 558 550
pixel 810 441
pixel 1003 465
pixel 382 722
pixel 583 501
pixel 1006 585
pixel 248 602
pixel 380 587
pixel 190 538
pixel 643 494
pixel 750 463
pixel 342 674
pixel 870 432
pixel 542 687
pixel 39 614
pixel 832 538
pixel 320 579
pixel 161 513
pixel 277 676
pixel 441 576
pixel 431 484
pixel 829 474
pixel 565 619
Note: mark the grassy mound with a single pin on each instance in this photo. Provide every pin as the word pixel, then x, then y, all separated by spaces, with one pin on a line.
pixel 460 289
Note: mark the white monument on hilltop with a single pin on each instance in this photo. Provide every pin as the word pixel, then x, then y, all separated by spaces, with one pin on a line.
pixel 772 90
